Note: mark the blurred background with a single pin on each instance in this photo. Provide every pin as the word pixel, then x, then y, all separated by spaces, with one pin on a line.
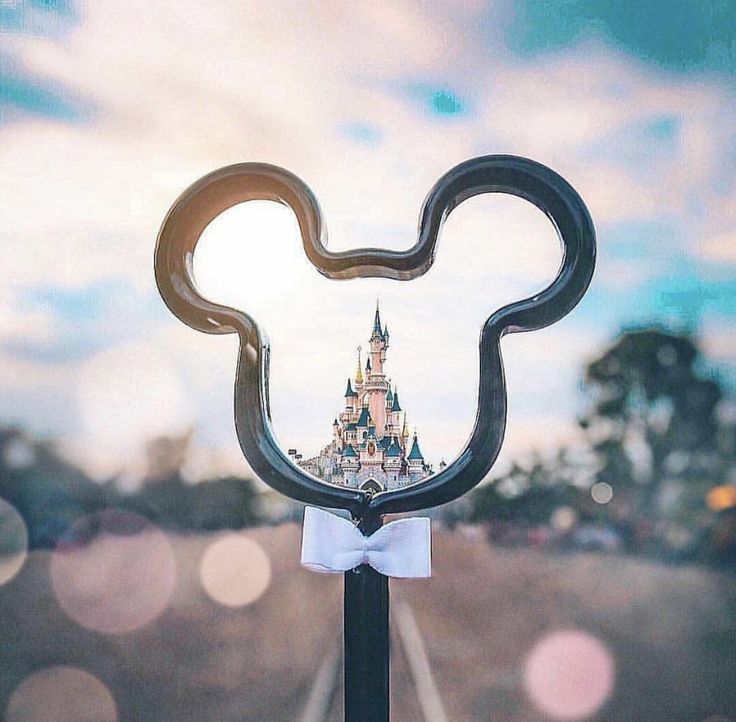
pixel 147 574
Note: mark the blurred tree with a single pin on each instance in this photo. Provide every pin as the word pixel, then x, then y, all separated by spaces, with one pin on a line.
pixel 50 493
pixel 528 494
pixel 654 426
pixel 168 499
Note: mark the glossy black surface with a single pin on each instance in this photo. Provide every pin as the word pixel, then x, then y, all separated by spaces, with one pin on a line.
pixel 216 192
pixel 366 642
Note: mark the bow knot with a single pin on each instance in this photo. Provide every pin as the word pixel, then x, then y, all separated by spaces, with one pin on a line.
pixel 401 548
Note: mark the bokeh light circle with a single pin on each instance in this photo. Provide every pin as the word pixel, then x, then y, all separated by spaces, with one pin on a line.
pixel 601 492
pixel 569 674
pixel 235 570
pixel 113 572
pixel 563 518
pixel 13 541
pixel 61 694
pixel 18 453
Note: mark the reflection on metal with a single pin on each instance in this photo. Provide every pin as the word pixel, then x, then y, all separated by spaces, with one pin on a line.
pixel 366 591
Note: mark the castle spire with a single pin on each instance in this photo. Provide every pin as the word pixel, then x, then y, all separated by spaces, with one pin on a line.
pixel 377 332
pixel 358 372
pixel 415 454
pixel 405 432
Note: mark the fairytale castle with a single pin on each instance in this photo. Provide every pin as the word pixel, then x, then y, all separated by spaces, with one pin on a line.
pixel 370 447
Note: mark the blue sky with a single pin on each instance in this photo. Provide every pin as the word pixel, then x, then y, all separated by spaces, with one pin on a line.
pixel 108 111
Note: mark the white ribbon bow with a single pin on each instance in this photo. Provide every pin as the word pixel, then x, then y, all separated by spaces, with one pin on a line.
pixel 401 548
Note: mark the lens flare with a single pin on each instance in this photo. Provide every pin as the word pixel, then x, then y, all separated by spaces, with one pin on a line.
pixel 113 572
pixel 569 675
pixel 601 492
pixel 235 571
pixel 13 541
pixel 563 518
pixel 723 497
pixel 61 694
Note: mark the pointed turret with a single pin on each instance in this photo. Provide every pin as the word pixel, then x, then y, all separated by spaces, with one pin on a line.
pixel 389 398
pixel 377 332
pixel 358 372
pixel 364 420
pixel 394 450
pixel 385 336
pixel 368 366
pixel 415 454
pixel 405 433
pixel 349 393
pixel 396 406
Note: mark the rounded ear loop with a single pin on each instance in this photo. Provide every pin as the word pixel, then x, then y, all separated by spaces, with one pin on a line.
pixel 554 196
pixel 192 212
pixel 220 190
pixel 177 239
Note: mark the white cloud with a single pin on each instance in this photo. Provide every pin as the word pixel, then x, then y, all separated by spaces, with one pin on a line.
pixel 179 94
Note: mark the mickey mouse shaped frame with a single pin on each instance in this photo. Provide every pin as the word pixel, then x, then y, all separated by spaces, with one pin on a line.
pixel 226 187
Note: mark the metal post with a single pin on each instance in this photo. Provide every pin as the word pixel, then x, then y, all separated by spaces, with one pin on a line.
pixel 366 643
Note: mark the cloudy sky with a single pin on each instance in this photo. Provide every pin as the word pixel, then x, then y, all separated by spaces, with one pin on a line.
pixel 108 110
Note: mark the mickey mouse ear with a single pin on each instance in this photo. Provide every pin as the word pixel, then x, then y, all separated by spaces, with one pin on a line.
pixel 192 212
pixel 553 195
pixel 216 192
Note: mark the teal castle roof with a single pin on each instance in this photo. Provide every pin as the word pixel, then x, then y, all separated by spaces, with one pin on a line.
pixel 364 419
pixel 394 450
pixel 377 332
pixel 396 406
pixel 349 390
pixel 415 453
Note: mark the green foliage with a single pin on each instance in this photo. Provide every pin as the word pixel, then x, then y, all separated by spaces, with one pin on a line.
pixel 653 420
pixel 654 434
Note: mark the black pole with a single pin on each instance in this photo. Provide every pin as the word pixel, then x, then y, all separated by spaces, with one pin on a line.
pixel 366 642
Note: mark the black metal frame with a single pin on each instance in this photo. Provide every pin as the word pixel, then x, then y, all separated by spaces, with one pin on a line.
pixel 226 187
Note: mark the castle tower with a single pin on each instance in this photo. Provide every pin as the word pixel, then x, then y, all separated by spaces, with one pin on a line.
pixel 395 415
pixel 378 345
pixel 415 460
pixel 351 399
pixel 391 427
pixel 376 386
